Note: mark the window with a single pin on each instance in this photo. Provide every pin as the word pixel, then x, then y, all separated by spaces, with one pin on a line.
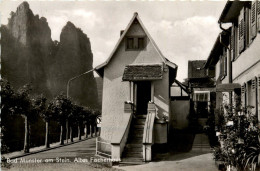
pixel 243 95
pixel 135 43
pixel 130 43
pixel 251 95
pixel 201 103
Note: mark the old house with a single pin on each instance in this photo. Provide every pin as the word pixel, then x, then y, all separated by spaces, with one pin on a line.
pixel 202 86
pixel 236 54
pixel 136 96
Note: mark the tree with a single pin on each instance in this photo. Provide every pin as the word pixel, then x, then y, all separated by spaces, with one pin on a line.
pixel 60 107
pixel 71 123
pixel 86 113
pixel 7 109
pixel 25 107
pixel 7 99
pixel 19 103
pixel 42 110
pixel 78 114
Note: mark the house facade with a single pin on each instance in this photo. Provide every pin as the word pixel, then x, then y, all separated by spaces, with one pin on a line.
pixel 201 84
pixel 236 54
pixel 136 96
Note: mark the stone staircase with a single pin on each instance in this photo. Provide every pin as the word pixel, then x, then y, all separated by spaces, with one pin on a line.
pixel 201 143
pixel 133 152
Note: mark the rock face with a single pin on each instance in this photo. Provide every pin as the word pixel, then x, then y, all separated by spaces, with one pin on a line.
pixel 30 56
pixel 26 49
pixel 73 58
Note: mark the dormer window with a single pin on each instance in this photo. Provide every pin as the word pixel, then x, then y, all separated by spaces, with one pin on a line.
pixel 135 43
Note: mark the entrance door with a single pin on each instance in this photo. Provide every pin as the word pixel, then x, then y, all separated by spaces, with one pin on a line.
pixel 143 96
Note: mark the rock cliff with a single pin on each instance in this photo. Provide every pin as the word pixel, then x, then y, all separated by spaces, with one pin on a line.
pixel 73 58
pixel 30 56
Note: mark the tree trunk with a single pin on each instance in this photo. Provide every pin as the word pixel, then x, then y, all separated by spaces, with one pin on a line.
pixel 67 131
pixel 79 134
pixel 86 128
pixel 47 143
pixel 99 131
pixel 61 135
pixel 95 130
pixel 71 134
pixel 90 129
pixel 26 136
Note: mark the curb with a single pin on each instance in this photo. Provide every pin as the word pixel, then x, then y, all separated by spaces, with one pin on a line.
pixel 47 149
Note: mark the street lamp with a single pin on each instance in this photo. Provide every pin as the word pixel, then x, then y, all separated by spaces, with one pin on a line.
pixel 68 86
pixel 73 78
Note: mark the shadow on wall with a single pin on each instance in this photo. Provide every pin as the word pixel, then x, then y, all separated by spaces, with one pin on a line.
pixel 162 106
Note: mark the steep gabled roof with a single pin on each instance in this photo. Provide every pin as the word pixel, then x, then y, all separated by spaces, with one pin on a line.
pixel 100 68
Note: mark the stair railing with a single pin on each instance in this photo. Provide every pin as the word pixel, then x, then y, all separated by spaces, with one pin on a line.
pixel 120 137
pixel 148 132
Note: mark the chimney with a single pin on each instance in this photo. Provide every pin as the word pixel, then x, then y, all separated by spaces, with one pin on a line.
pixel 121 32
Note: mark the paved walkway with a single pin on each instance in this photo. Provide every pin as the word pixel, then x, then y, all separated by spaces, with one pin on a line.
pixel 202 162
pixel 85 150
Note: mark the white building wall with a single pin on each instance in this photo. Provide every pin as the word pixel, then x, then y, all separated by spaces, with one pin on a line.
pixel 115 91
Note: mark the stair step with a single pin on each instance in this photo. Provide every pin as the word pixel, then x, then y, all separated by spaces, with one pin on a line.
pixel 128 145
pixel 137 130
pixel 133 154
pixel 132 159
pixel 133 149
pixel 134 136
pixel 130 163
pixel 139 122
pixel 139 126
pixel 141 116
pixel 137 140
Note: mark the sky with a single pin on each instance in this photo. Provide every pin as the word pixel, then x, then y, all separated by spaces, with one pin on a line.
pixel 183 30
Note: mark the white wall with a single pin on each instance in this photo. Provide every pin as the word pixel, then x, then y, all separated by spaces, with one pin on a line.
pixel 249 57
pixel 115 91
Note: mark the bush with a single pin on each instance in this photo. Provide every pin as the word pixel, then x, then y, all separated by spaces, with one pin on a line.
pixel 239 138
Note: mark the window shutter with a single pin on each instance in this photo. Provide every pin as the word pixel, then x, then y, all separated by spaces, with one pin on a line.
pixel 135 43
pixel 241 25
pixel 253 86
pixel 253 19
pixel 232 43
pixel 258 14
pixel 243 95
pixel 221 67
pixel 258 97
pixel 253 89
pixel 224 62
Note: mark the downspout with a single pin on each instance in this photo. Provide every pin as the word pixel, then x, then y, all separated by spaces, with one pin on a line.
pixel 229 50
pixel 229 59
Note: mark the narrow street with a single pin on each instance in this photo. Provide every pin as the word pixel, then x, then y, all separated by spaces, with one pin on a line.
pixel 80 156
pixel 84 150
